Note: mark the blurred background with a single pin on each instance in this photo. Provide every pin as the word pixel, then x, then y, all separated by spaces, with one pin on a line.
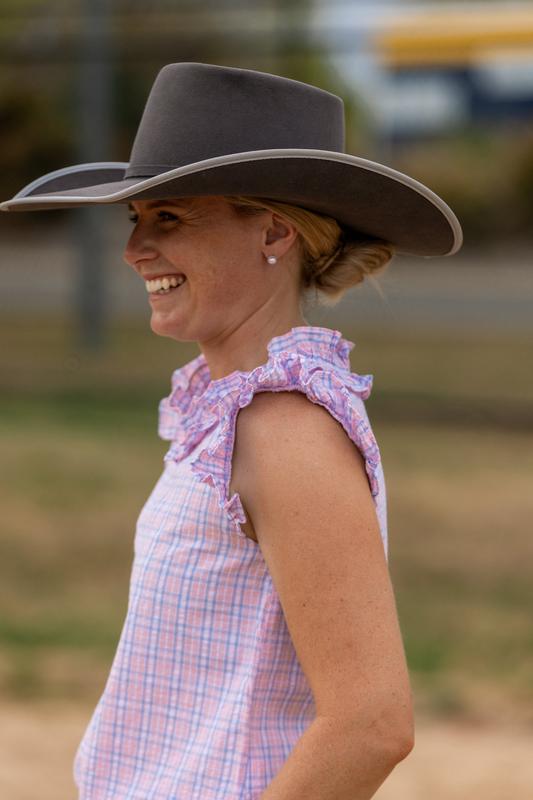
pixel 440 90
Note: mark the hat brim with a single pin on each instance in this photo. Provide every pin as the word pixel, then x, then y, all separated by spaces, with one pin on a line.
pixel 370 198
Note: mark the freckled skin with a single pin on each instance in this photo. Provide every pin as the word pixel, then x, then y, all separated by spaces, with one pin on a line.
pixel 233 301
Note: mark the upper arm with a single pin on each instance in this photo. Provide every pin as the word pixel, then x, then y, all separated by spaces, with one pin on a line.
pixel 304 486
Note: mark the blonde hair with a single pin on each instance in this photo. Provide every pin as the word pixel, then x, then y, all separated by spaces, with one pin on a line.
pixel 333 259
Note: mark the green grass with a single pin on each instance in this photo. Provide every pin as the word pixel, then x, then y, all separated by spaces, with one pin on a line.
pixel 81 454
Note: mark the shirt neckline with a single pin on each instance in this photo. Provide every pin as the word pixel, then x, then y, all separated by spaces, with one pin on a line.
pixel 196 403
pixel 193 379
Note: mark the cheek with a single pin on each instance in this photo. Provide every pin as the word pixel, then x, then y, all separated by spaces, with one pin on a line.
pixel 223 267
pixel 221 289
pixel 227 273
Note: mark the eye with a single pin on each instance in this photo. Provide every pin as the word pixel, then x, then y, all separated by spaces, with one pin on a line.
pixel 162 216
pixel 166 216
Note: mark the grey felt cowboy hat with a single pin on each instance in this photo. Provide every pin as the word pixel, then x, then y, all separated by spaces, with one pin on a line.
pixel 211 130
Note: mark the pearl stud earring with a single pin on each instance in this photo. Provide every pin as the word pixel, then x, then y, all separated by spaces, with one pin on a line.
pixel 272 259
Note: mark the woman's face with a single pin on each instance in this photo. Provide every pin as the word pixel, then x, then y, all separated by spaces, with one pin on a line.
pixel 221 256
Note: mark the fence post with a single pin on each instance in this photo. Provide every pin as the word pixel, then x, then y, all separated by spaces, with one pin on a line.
pixel 94 126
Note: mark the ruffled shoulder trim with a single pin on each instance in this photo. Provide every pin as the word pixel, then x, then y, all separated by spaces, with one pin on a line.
pixel 323 380
pixel 184 418
pixel 189 412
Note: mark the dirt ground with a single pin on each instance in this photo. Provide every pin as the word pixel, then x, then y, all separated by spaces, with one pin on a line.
pixel 450 761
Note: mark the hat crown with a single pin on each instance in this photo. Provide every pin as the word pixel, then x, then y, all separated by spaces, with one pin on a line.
pixel 201 111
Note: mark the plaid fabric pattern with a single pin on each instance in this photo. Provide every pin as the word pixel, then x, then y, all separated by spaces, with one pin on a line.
pixel 206 698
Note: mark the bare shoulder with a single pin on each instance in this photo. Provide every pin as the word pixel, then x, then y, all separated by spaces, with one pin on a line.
pixel 304 487
pixel 275 439
pixel 284 443
pixel 290 421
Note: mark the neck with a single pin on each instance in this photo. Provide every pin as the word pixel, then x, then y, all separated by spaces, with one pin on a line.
pixel 245 347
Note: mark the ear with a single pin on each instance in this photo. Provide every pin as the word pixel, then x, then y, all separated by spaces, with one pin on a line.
pixel 279 235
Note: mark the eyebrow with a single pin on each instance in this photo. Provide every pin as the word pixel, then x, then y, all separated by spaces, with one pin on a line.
pixel 157 203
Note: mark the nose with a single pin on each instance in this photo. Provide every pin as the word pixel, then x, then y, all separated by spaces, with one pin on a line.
pixel 139 247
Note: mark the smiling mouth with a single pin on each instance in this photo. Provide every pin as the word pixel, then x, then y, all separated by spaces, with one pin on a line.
pixel 164 285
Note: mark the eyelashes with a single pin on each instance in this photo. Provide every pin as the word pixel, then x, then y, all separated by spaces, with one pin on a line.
pixel 166 216
pixel 162 216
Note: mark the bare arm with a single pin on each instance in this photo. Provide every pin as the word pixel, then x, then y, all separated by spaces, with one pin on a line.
pixel 305 489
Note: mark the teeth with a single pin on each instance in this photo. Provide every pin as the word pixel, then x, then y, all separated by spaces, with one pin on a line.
pixel 163 285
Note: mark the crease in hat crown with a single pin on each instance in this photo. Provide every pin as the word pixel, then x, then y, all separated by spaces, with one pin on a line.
pixel 249 111
pixel 216 130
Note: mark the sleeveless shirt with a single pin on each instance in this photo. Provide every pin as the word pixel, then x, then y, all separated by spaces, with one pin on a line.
pixel 206 697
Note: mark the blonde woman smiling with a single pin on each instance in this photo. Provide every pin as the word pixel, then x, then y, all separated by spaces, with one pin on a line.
pixel 261 655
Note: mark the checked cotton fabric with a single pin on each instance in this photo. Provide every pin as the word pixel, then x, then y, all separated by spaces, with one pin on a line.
pixel 206 697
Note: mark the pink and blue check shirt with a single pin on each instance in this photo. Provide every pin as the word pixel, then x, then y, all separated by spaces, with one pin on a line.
pixel 206 697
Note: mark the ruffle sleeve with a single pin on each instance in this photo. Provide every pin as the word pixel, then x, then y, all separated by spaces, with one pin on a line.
pixel 184 417
pixel 340 391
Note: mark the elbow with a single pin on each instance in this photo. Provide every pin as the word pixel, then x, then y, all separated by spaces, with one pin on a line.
pixel 403 743
pixel 394 731
pixel 389 732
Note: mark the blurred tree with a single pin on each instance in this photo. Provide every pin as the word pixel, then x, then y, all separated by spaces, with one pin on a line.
pixel 34 132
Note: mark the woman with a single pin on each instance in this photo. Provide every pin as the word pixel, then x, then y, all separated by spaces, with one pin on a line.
pixel 261 655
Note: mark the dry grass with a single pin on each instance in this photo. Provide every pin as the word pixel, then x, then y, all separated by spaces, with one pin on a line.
pixel 460 507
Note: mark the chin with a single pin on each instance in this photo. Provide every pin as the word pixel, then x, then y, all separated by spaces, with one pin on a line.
pixel 163 327
pixel 172 329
